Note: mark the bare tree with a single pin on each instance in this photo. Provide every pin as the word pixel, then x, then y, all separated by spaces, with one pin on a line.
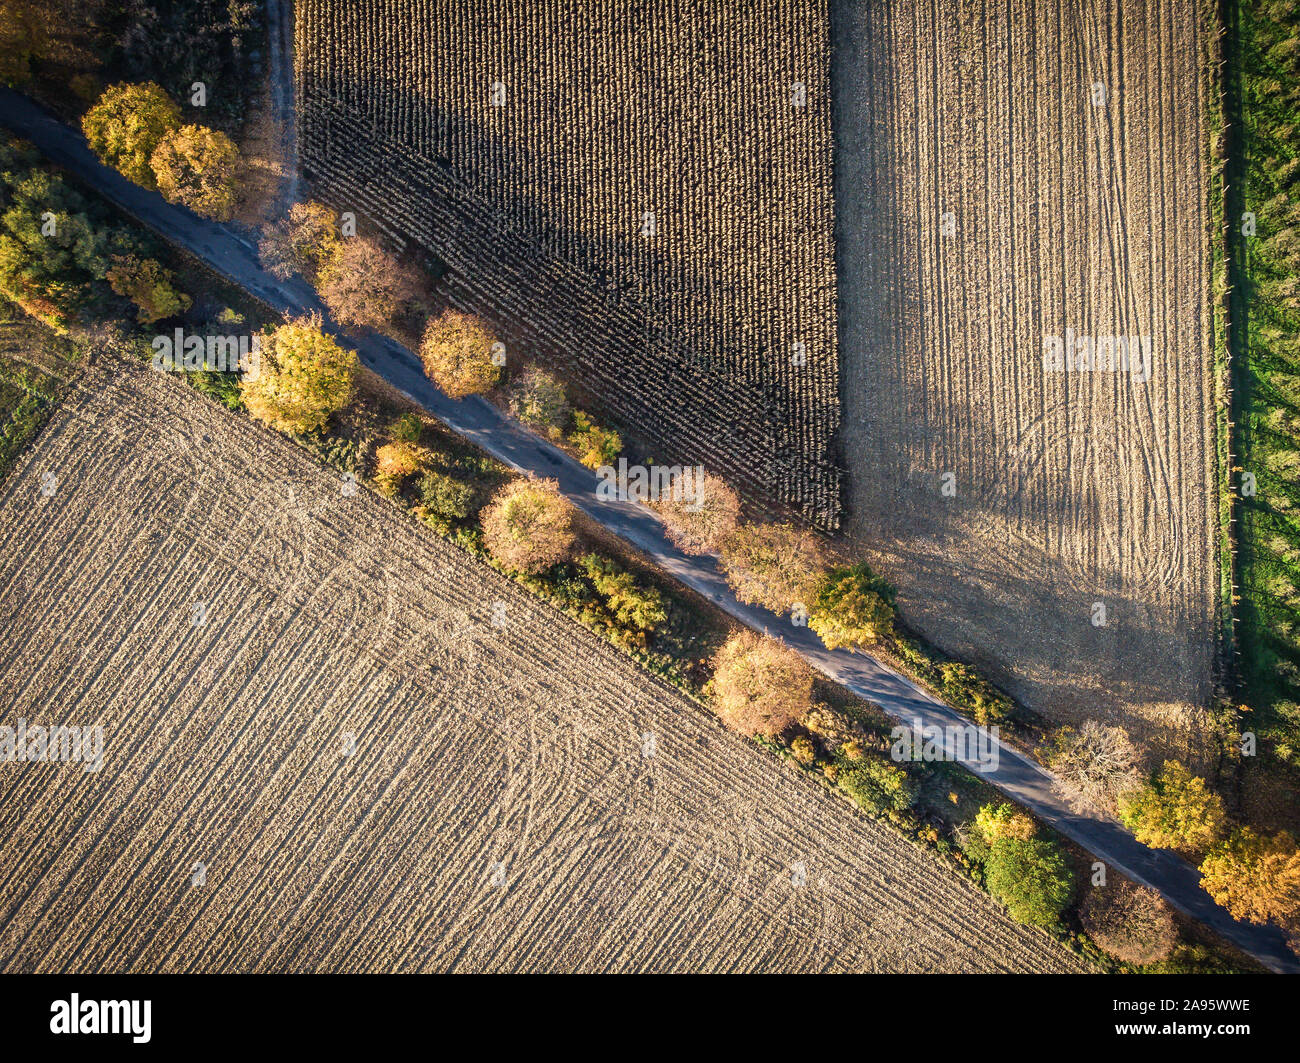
pixel 1093 765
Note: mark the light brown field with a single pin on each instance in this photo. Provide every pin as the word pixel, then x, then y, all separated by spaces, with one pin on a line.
pixel 498 812
pixel 1072 488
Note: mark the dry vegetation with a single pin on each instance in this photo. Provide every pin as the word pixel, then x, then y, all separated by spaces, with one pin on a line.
pixel 1070 488
pixel 500 811
pixel 681 110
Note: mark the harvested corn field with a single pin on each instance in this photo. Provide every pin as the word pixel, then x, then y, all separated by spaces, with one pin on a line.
pixel 640 194
pixel 1023 202
pixel 332 742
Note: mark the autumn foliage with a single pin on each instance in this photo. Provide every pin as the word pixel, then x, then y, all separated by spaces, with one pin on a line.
pixel 527 527
pixel 1131 922
pixel 1256 877
pixel 198 168
pixel 366 286
pixel 126 126
pixel 760 686
pixel 304 376
pixel 701 523
pixel 773 565
pixel 457 354
pixel 1175 810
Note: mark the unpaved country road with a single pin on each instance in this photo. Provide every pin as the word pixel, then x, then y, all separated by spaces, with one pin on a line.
pixel 480 422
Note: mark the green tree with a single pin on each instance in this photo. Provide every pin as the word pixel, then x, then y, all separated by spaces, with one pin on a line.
pixel 127 124
pixel 877 786
pixel 149 285
pixel 968 690
pixel 1031 877
pixel 446 497
pixel 55 247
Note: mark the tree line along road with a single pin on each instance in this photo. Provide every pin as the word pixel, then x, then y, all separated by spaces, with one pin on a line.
pixel 1020 778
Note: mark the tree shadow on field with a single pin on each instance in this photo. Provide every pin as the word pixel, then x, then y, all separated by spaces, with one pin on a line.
pixel 644 338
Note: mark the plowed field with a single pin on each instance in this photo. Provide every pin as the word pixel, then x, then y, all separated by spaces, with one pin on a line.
pixel 1005 174
pixel 341 763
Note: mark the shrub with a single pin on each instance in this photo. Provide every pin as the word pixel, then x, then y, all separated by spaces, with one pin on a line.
pixel 1093 765
pixel 1031 877
pixel 537 398
pixel 527 526
pixel 876 785
pixel 852 609
pixel 127 124
pixel 967 690
pixel 701 524
pixel 407 428
pixel 304 377
pixel 832 725
pixel 150 286
pixel 1004 821
pixel 853 750
pixel 634 609
pixel 305 242
pixel 598 446
pixel 1255 877
pixel 368 287
pixel 760 687
pixel 397 460
pixel 457 354
pixel 1130 922
pixel 446 497
pixel 773 565
pixel 1175 810
pixel 803 750
pixel 198 168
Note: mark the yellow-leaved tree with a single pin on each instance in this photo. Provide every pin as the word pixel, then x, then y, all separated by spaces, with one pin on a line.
pixel 126 125
pixel 198 167
pixel 457 354
pixel 1256 877
pixel 302 377
pixel 1175 810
